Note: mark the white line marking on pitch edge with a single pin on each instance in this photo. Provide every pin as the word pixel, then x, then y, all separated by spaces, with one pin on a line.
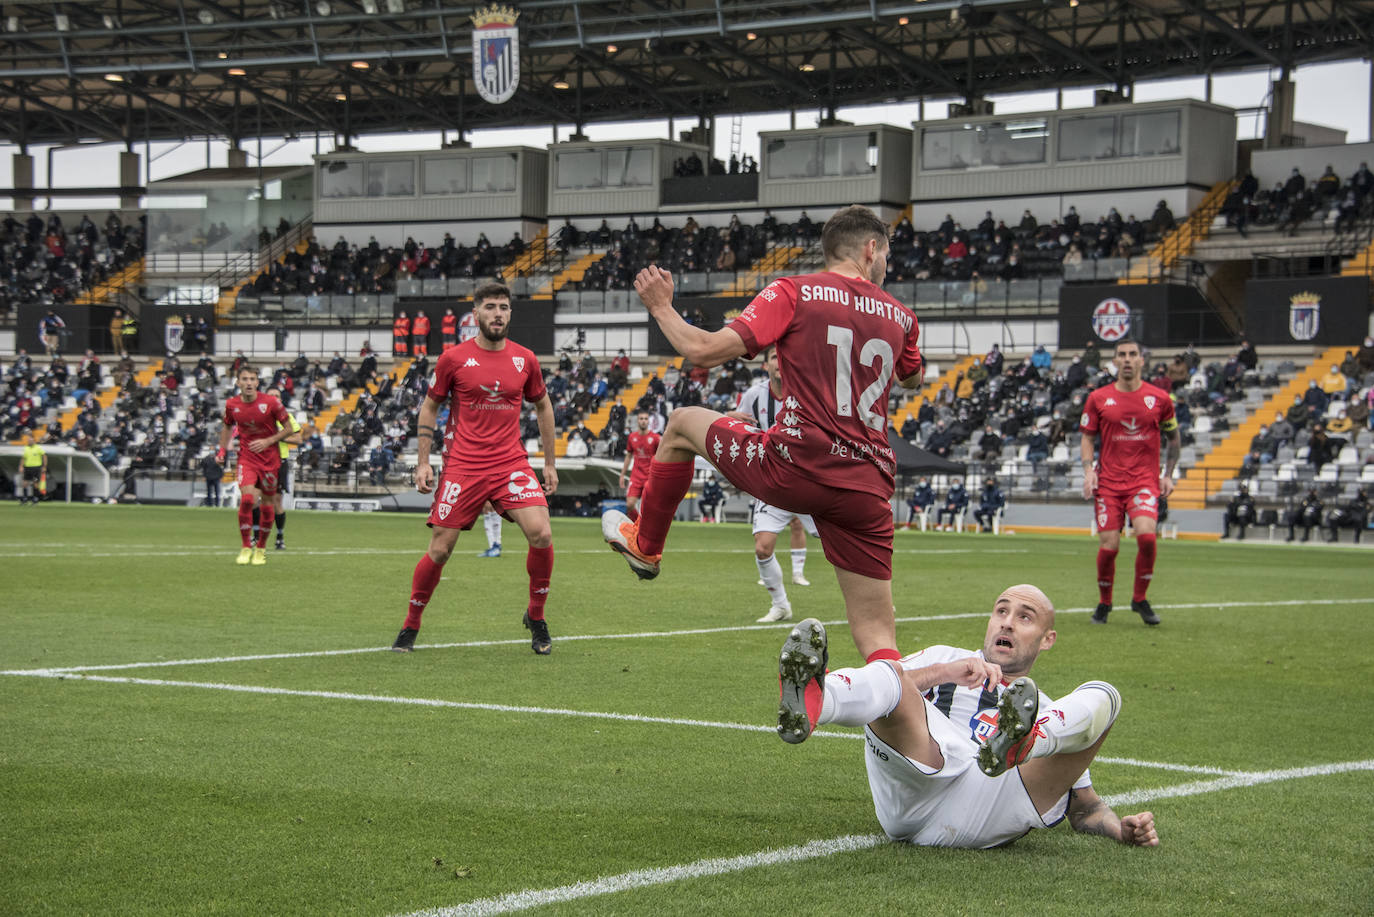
pixel 738 628
pixel 545 711
pixel 213 550
pixel 644 878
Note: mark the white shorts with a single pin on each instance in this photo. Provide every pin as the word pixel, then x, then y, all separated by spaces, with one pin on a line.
pixel 771 519
pixel 957 805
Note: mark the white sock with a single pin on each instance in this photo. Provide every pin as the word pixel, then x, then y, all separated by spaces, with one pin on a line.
pixel 492 523
pixel 798 561
pixel 771 571
pixel 1077 720
pixel 857 697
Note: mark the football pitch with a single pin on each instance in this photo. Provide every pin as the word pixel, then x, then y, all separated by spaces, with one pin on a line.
pixel 185 736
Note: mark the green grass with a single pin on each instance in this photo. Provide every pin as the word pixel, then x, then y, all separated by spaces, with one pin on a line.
pixel 121 798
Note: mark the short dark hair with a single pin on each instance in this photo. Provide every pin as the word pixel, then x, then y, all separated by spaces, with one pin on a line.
pixel 849 229
pixel 492 289
pixel 245 368
pixel 1122 342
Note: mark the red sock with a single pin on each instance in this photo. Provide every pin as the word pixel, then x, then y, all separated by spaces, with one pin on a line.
pixel 1106 573
pixel 667 485
pixel 246 520
pixel 1144 565
pixel 422 584
pixel 883 654
pixel 632 512
pixel 539 565
pixel 266 513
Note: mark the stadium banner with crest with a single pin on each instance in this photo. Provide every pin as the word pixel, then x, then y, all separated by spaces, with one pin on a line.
pixel 709 312
pixel 166 329
pixel 496 53
pixel 1321 311
pixel 1154 314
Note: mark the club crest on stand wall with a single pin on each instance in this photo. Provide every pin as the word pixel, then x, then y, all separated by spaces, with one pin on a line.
pixel 496 53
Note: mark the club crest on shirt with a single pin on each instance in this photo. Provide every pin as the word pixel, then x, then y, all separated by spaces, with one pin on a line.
pixel 983 724
pixel 444 510
pixel 1150 402
pixel 519 363
pixel 262 408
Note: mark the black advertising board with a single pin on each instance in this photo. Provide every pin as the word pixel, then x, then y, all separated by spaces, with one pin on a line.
pixel 1321 311
pixel 1153 314
pixel 86 327
pixel 171 329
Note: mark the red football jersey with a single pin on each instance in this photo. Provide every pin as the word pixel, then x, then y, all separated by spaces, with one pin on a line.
pixel 486 388
pixel 840 342
pixel 256 419
pixel 642 446
pixel 1130 424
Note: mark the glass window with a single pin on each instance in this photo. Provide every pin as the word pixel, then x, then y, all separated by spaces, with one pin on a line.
pixel 854 154
pixel 390 177
pixel 446 176
pixel 630 168
pixel 1086 139
pixel 341 178
pixel 579 169
pixel 1154 133
pixel 989 145
pixel 793 158
pixel 493 173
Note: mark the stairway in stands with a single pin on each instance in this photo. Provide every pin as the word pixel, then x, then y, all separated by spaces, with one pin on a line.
pixel 1179 243
pixel 535 255
pixel 130 275
pixel 929 391
pixel 229 294
pixel 350 401
pixel 573 273
pixel 775 261
pixel 1223 462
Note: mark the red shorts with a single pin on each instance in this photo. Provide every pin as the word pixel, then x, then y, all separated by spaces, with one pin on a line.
pixel 259 474
pixel 855 527
pixel 637 480
pixel 1115 506
pixel 461 494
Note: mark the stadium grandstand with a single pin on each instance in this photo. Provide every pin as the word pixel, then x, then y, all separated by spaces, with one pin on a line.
pixel 1019 237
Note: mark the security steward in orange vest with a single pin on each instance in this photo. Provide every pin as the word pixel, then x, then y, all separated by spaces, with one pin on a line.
pixel 419 335
pixel 400 335
pixel 449 326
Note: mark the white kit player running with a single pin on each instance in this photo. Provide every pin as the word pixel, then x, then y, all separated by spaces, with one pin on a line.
pixel 930 716
pixel 763 405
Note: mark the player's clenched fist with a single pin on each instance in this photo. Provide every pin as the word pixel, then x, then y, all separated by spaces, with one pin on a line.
pixel 1139 830
pixel 424 478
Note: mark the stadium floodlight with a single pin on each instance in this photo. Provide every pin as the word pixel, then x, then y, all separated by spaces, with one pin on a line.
pixel 323 8
pixel 611 49
pixel 111 22
pixel 206 17
pixel 395 6
pixel 562 82
pixel 370 7
pixel 12 23
pixel 360 65
pixel 237 71
pixel 62 22
pixel 113 78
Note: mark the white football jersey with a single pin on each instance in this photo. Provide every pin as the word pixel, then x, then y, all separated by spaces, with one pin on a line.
pixel 758 402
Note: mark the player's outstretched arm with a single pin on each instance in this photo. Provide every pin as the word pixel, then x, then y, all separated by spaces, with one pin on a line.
pixel 425 434
pixel 543 413
pixel 1085 450
pixel 1173 446
pixel 703 348
pixel 1088 814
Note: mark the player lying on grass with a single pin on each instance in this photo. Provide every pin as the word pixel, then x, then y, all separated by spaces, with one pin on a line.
pixel 928 717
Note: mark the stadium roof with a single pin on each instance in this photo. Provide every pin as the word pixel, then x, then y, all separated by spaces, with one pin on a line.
pixel 169 69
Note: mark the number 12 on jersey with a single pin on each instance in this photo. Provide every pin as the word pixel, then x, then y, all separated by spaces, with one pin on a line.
pixel 874 349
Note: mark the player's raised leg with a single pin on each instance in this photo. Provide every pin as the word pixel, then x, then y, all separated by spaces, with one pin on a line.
pixel 641 541
pixel 534 523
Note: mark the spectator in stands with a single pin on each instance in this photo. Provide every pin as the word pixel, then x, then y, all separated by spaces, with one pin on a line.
pixel 1162 220
pixel 711 498
pixel 1037 447
pixel 1341 423
pixel 1296 184
pixel 1240 512
pixel 989 445
pixel 1316 397
pixel 1041 358
pixel 1353 515
pixel 1334 383
pixel 1073 256
pixel 1299 412
pixel 1264 445
pixel 994 361
pixel 1308 514
pixel 1358 410
pixel 1281 430
pixel 1328 184
pixel 1246 356
pixel 619 373
pixel 921 499
pixel 379 463
pixel 1072 221
pixel 1322 448
pixel 990 503
pixel 1028 224
pixel 1362 181
pixel 941 439
pixel 956 501
pixel 1348 211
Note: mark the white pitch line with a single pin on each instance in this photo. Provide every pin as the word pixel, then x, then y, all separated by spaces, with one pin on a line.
pixel 544 711
pixel 689 632
pixel 644 878
pixel 211 550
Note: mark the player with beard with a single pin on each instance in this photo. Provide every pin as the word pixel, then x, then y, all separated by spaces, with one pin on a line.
pixel 841 341
pixel 930 716
pixel 261 422
pixel 640 447
pixel 485 380
pixel 1130 416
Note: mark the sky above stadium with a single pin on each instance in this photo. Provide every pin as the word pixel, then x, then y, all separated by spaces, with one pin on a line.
pixel 1332 95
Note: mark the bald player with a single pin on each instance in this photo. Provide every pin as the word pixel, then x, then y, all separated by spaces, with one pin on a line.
pixel 962 749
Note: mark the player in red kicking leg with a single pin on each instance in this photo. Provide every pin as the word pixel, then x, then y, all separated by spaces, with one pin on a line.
pixel 262 423
pixel 841 342
pixel 1129 416
pixel 485 379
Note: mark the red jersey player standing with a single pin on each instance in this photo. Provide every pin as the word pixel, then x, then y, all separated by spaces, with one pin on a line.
pixel 639 449
pixel 1129 415
pixel 840 343
pixel 485 381
pixel 262 422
